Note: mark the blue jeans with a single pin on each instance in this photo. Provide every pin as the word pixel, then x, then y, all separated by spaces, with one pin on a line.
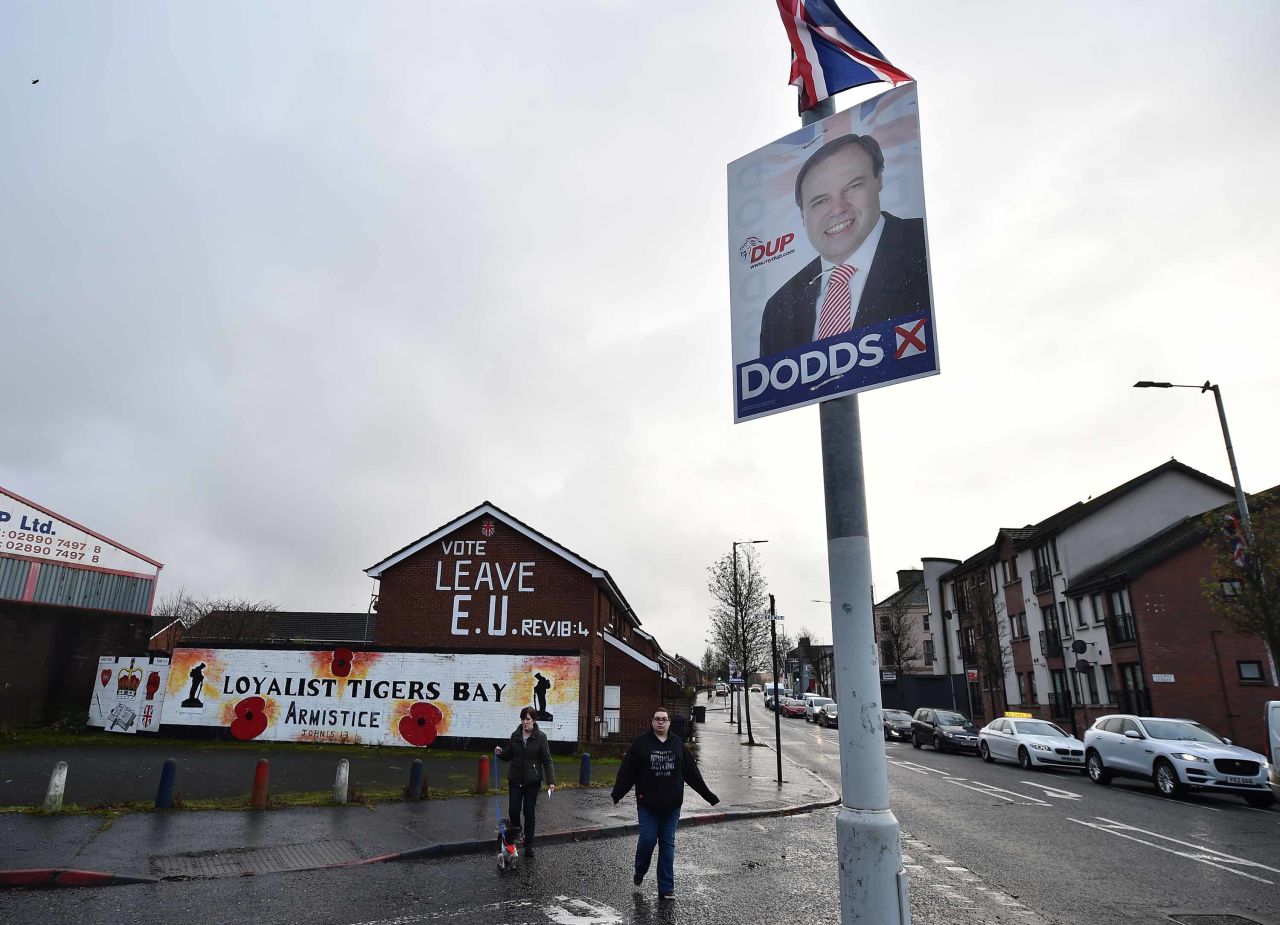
pixel 658 828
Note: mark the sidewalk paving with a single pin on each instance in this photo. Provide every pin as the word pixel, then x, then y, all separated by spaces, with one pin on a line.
pixel 180 845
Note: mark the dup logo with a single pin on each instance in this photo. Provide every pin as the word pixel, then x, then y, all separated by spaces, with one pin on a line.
pixel 755 252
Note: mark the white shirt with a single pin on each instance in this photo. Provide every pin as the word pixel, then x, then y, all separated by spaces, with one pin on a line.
pixel 859 259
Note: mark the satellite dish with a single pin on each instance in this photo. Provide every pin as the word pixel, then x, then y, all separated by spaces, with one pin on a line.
pixel 1082 665
pixel 1079 646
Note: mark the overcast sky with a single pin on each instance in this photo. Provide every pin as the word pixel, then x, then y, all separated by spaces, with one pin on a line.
pixel 287 286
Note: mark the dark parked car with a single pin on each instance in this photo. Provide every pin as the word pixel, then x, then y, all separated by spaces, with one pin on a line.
pixel 897 725
pixel 828 715
pixel 943 729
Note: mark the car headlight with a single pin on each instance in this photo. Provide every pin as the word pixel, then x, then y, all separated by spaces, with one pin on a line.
pixel 946 735
pixel 1187 756
pixel 1041 748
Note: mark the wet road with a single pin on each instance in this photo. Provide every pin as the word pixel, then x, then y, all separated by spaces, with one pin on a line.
pixel 1065 847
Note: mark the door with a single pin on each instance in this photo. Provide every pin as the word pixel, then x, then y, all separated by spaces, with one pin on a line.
pixel 612 708
pixel 998 739
pixel 1129 753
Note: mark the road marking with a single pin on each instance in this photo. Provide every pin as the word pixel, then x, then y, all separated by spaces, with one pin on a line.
pixel 1054 791
pixel 582 913
pixel 1156 796
pixel 918 768
pixel 994 791
pixel 1203 855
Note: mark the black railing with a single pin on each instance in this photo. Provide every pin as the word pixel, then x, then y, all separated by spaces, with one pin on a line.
pixel 1120 629
pixel 1041 579
pixel 1050 644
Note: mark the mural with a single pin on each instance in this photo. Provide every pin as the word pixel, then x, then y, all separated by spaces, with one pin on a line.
pixel 128 693
pixel 371 698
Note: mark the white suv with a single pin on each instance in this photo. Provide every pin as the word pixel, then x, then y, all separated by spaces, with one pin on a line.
pixel 1176 755
pixel 813 704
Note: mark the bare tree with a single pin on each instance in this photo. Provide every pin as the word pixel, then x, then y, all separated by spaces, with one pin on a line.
pixel 740 615
pixel 1245 586
pixel 227 619
pixel 178 605
pixel 901 649
pixel 991 643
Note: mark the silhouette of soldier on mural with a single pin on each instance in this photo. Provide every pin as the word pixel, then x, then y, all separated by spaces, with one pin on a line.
pixel 540 689
pixel 197 682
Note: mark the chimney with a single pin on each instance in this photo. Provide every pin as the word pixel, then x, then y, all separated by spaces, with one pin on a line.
pixel 909 576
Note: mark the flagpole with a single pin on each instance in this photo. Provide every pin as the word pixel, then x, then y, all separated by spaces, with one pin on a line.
pixel 873 883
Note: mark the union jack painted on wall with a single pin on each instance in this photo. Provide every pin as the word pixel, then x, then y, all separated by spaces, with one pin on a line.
pixel 488 528
pixel 828 53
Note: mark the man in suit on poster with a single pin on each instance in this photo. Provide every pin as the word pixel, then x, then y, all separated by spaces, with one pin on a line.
pixel 871 265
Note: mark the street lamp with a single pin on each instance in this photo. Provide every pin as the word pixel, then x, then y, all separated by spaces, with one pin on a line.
pixel 1235 473
pixel 738 627
pixel 1226 436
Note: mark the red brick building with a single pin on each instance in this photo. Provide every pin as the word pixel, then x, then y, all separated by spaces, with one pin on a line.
pixel 1184 659
pixel 488 583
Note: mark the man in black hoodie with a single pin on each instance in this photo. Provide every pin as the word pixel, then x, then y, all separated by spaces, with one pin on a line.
pixel 658 766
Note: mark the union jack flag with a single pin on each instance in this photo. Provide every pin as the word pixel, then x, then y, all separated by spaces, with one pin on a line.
pixel 828 53
pixel 1235 539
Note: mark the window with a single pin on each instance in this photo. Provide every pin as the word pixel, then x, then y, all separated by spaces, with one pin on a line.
pixel 1123 630
pixel 1091 682
pixel 1010 569
pixel 884 622
pixel 1075 687
pixel 1031 687
pixel 928 651
pixel 1066 621
pixel 1022 690
pixel 1231 587
pixel 1022 623
pixel 926 622
pixel 1053 548
pixel 1107 685
pixel 1013 627
pixel 1081 620
pixel 1095 604
pixel 1249 671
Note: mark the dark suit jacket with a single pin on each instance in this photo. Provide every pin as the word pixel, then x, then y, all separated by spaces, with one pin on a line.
pixel 897 284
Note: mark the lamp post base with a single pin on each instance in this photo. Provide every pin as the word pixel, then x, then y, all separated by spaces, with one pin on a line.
pixel 873 885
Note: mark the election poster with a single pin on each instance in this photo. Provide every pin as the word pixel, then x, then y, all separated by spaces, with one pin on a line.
pixel 370 698
pixel 829 285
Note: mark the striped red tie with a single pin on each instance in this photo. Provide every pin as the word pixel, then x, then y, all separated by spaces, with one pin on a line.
pixel 836 318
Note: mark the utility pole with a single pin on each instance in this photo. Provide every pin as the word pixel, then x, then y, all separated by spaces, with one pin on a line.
pixel 873 883
pixel 777 716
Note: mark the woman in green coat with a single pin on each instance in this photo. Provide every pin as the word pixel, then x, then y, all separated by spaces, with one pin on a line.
pixel 530 757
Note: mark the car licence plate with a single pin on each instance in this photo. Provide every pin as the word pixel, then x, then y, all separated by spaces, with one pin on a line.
pixel 1239 780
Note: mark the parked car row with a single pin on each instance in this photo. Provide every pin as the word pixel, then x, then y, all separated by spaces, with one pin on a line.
pixel 1176 755
pixel 814 709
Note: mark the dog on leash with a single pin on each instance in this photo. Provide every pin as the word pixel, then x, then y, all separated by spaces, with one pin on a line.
pixel 510 840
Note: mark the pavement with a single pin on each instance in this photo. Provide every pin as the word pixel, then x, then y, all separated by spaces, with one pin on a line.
pixel 85 850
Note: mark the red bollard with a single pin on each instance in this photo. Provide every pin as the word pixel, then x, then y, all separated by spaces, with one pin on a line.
pixel 261 776
pixel 482 775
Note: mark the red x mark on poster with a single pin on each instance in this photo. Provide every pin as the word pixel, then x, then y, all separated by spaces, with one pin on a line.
pixel 910 339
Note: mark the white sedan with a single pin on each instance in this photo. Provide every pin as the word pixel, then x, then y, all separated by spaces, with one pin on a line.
pixel 1033 743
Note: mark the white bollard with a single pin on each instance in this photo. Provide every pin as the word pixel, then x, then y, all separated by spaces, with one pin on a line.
pixel 340 782
pixel 57 786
